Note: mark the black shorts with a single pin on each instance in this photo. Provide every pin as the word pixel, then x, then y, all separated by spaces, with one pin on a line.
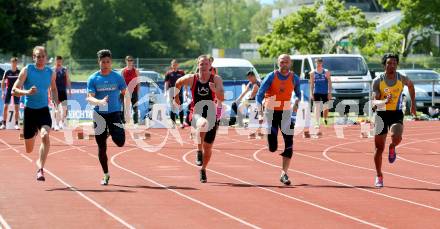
pixel 34 120
pixel 321 97
pixel 105 123
pixel 212 129
pixel 8 97
pixel 62 95
pixel 385 119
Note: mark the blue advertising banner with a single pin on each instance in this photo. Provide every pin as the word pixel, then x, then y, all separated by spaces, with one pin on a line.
pixel 150 93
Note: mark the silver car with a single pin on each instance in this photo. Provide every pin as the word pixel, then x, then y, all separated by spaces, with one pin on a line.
pixel 426 85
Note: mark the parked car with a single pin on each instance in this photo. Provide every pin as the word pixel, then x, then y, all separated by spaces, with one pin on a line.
pixel 234 68
pixel 154 76
pixel 426 85
pixel 343 67
pixel 233 71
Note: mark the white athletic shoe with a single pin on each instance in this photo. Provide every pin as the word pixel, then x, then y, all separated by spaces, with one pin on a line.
pixel 378 182
pixel 17 127
pixel 3 126
pixel 56 128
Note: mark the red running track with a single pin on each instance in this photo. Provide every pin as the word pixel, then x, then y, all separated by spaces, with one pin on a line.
pixel 333 183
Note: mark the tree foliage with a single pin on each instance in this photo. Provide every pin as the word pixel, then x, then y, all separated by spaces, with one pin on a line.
pixel 23 24
pixel 421 18
pixel 136 27
pixel 150 28
pixel 314 29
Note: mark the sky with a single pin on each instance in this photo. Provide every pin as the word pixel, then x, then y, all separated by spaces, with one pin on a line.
pixel 267 1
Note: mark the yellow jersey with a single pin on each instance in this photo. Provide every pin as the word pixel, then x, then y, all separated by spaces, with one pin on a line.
pixel 395 92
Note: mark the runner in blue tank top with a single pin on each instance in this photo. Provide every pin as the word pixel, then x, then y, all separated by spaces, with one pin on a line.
pixel 321 91
pixel 104 89
pixel 33 83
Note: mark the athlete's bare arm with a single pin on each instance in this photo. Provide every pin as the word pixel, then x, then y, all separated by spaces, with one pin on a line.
pixel 186 81
pixel 219 90
pixel 18 85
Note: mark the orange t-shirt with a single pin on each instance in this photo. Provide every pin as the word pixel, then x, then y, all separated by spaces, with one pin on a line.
pixel 278 96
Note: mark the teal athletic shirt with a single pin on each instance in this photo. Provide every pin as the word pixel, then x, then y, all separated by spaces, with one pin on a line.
pixel 40 78
pixel 109 85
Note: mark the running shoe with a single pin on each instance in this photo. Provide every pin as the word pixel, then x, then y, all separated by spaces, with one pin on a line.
pixel 199 158
pixel 17 127
pixel 105 179
pixel 203 177
pixel 378 182
pixel 3 126
pixel 325 122
pixel 285 179
pixel 40 175
pixel 392 153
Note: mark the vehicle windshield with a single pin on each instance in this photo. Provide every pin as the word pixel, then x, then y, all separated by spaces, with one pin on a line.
pixel 234 73
pixel 344 66
pixel 151 76
pixel 422 75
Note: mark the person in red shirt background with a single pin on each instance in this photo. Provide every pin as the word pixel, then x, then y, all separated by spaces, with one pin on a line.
pixel 130 73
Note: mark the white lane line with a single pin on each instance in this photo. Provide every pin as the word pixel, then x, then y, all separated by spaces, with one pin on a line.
pixel 181 194
pixel 3 223
pixel 79 192
pixel 346 185
pixel 234 155
pixel 171 190
pixel 100 207
pixel 305 155
pixel 63 150
pixel 172 158
pixel 15 149
pixel 325 152
pixel 418 149
pixel 160 154
pixel 4 149
pixel 416 162
pixel 285 195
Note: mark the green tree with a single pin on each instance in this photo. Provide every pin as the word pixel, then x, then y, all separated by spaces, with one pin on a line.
pixel 228 21
pixel 195 33
pixel 421 18
pixel 136 27
pixel 312 29
pixel 372 43
pixel 260 22
pixel 23 24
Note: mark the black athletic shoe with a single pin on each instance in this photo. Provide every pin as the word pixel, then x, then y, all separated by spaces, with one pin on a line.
pixel 203 178
pixel 285 179
pixel 199 158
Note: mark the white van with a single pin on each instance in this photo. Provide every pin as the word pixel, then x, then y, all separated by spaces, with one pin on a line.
pixel 233 68
pixel 344 68
pixel 235 71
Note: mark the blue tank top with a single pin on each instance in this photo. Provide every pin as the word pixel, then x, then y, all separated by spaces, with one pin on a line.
pixel 41 79
pixel 61 78
pixel 321 83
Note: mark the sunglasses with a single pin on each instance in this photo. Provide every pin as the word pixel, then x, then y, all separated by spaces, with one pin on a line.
pixel 105 61
pixel 130 60
pixel 39 56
